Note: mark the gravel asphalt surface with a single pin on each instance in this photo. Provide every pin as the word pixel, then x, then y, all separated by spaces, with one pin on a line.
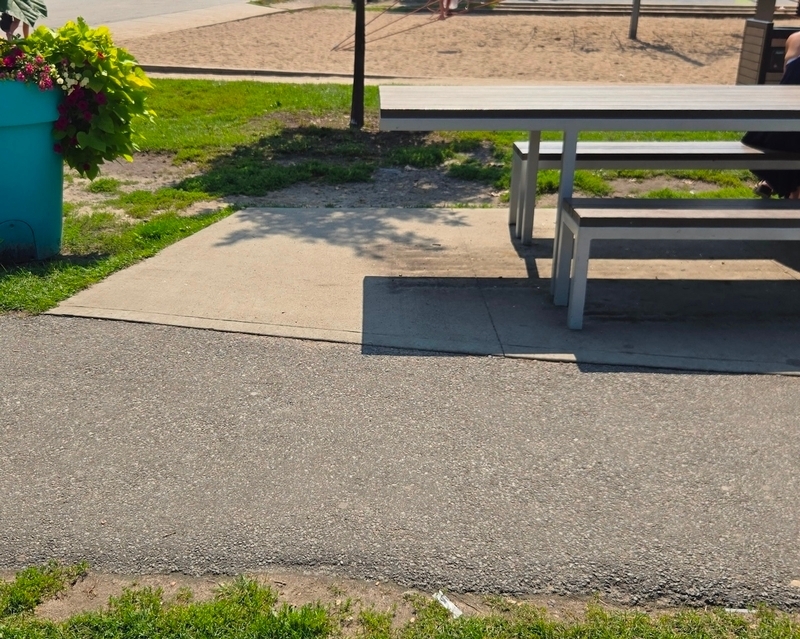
pixel 145 448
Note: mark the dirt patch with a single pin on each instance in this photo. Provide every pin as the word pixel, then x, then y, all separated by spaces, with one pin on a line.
pixel 389 188
pixel 500 47
pixel 344 597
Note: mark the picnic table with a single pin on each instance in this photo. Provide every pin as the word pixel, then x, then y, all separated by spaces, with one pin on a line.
pixel 575 108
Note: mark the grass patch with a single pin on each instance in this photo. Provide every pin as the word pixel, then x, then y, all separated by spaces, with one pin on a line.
pixel 34 585
pixel 198 119
pixel 240 610
pixel 143 204
pixel 93 247
pixel 104 185
pixel 247 609
pixel 728 193
pixel 246 173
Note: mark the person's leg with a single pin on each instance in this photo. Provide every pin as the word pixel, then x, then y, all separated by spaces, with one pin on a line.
pixel 26 29
pixel 12 29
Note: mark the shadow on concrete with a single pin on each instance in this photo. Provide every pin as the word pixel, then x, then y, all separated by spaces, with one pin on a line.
pixel 680 324
pixel 368 232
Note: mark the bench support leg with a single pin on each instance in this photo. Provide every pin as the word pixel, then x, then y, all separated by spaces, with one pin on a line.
pixel 562 263
pixel 525 225
pixel 516 190
pixel 580 273
pixel 568 156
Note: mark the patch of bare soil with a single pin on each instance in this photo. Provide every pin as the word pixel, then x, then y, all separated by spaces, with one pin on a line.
pixel 343 597
pixel 390 188
pixel 525 48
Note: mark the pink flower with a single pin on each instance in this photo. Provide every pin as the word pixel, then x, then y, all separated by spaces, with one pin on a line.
pixel 61 123
pixel 58 148
pixel 101 98
pixel 87 115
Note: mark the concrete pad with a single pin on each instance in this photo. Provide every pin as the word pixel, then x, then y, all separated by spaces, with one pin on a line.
pixel 167 23
pixel 454 280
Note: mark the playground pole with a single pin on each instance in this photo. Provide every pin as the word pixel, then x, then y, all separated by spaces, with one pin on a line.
pixel 357 105
pixel 634 20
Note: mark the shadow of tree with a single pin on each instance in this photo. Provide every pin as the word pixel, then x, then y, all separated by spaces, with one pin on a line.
pixel 298 155
pixel 369 233
pixel 316 154
pixel 668 49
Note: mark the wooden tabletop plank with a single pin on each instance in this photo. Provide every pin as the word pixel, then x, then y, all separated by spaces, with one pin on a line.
pixel 712 106
pixel 626 98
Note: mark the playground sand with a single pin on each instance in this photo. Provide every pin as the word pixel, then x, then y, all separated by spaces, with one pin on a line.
pixel 499 47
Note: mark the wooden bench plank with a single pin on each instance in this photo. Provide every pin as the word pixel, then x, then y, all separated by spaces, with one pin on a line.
pixel 649 155
pixel 585 220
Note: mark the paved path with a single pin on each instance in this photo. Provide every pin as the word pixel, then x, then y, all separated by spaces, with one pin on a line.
pixel 450 280
pixel 150 448
pixel 59 11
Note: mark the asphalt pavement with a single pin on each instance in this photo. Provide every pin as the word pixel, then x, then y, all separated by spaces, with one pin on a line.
pixel 145 448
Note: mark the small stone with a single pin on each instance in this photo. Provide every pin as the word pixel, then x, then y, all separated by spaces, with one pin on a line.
pixel 795 583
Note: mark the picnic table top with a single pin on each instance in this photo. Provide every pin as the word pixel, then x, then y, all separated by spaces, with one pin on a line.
pixel 711 106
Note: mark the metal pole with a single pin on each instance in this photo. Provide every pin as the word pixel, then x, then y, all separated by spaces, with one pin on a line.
pixel 634 20
pixel 357 105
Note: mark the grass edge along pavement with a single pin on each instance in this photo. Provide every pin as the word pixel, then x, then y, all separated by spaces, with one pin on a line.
pixel 250 138
pixel 245 607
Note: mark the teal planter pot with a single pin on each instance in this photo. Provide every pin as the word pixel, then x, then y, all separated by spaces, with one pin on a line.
pixel 31 173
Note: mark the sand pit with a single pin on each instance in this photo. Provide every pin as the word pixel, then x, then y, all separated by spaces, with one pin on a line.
pixel 500 47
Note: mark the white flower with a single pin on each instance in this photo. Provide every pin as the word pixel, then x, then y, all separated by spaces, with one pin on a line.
pixel 60 81
pixel 84 82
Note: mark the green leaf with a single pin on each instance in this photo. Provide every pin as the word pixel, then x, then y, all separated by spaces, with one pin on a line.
pixel 91 140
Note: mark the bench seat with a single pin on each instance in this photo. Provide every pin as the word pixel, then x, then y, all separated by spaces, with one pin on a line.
pixel 585 220
pixel 635 155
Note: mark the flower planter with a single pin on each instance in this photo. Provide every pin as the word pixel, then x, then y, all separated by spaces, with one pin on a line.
pixel 31 173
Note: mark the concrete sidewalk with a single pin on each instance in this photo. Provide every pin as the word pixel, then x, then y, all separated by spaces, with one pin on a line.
pixel 180 20
pixel 453 280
